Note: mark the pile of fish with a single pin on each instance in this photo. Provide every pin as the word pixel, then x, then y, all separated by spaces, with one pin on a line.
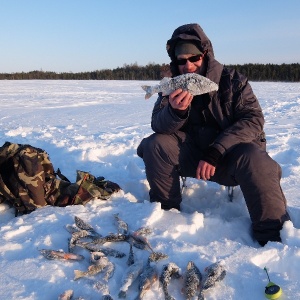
pixel 84 235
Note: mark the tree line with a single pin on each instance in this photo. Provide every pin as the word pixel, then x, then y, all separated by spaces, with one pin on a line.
pixel 254 72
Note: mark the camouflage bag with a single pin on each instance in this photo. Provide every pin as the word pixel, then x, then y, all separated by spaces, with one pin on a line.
pixel 28 181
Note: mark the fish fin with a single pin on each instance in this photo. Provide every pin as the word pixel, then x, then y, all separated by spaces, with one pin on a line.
pixel 78 274
pixel 146 88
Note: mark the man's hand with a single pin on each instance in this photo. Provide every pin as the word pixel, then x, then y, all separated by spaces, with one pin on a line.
pixel 180 99
pixel 205 170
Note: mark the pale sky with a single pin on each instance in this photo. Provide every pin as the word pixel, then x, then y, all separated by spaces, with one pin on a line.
pixel 88 35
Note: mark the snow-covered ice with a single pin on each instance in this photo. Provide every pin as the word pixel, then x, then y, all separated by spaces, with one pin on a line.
pixel 96 126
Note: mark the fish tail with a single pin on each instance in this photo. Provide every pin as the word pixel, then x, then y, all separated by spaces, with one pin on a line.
pixel 78 274
pixel 147 89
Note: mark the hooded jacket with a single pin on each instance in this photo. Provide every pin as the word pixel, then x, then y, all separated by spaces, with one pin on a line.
pixel 234 106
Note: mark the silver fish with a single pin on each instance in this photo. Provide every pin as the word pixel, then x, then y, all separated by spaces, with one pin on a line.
pixel 106 250
pixel 170 270
pixel 66 295
pixel 104 289
pixel 147 279
pixel 212 274
pixel 129 277
pixel 53 254
pixel 97 259
pixel 156 256
pixel 140 242
pixel 122 226
pixel 76 236
pixel 143 231
pixel 110 238
pixel 85 226
pixel 72 228
pixel 194 83
pixel 193 279
pixel 130 260
pixel 149 275
pixel 99 262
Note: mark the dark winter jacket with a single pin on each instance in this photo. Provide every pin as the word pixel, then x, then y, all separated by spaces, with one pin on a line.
pixel 234 107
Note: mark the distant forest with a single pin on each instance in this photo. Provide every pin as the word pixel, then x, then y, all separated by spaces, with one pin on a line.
pixel 254 72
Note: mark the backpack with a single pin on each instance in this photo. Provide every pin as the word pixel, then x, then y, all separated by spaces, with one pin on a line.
pixel 28 181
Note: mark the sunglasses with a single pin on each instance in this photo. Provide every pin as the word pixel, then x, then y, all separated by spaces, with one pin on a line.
pixel 183 61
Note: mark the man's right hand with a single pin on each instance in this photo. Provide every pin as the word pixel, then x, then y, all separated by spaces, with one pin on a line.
pixel 180 99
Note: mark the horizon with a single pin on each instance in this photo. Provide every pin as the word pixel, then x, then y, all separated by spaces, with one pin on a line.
pixel 75 36
pixel 90 71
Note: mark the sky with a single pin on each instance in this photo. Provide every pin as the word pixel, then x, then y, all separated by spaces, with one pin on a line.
pixel 78 36
pixel 96 126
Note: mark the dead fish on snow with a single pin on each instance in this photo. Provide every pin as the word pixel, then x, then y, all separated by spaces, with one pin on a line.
pixel 140 241
pixel 106 250
pixel 76 236
pixel 85 226
pixel 98 265
pixel 122 225
pixel 144 231
pixel 194 83
pixel 149 275
pixel 212 274
pixel 53 254
pixel 66 295
pixel 193 279
pixel 72 228
pixel 110 238
pixel 97 259
pixel 130 260
pixel 170 270
pixel 129 277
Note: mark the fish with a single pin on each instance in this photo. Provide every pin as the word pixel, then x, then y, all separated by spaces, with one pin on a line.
pixel 76 236
pixel 194 83
pixel 106 250
pixel 97 259
pixel 110 238
pixel 193 279
pixel 104 289
pixel 212 274
pixel 53 254
pixel 122 226
pixel 130 260
pixel 156 256
pixel 144 231
pixel 72 228
pixel 99 262
pixel 129 277
pixel 140 241
pixel 66 295
pixel 168 271
pixel 85 226
pixel 149 275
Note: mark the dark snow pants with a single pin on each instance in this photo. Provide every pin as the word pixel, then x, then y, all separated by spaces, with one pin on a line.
pixel 167 157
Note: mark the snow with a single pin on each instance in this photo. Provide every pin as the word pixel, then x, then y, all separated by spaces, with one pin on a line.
pixel 96 126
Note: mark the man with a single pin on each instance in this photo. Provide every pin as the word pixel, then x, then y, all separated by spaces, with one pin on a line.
pixel 217 136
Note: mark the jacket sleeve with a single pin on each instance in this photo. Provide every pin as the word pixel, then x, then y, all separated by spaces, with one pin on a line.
pixel 164 118
pixel 245 116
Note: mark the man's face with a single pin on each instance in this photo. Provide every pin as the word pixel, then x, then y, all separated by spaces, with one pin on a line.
pixel 190 63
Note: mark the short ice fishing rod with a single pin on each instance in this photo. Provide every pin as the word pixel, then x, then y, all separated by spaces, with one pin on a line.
pixel 272 290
